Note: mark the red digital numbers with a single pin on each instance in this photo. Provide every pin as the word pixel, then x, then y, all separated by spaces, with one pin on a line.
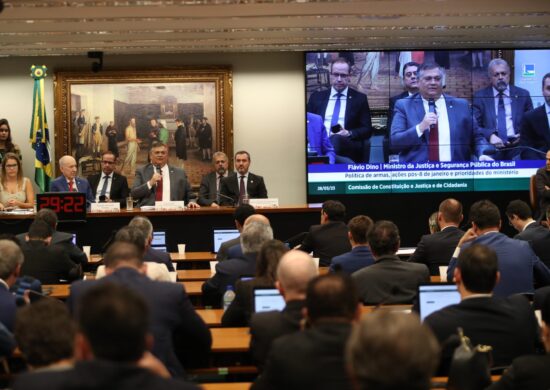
pixel 68 204
pixel 79 204
pixel 55 204
pixel 65 204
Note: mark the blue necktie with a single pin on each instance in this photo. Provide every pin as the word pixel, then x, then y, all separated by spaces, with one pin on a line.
pixel 336 112
pixel 104 188
pixel 501 119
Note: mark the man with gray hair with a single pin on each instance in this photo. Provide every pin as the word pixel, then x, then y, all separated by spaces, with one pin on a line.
pixel 209 191
pixel 11 259
pixel 69 181
pixel 151 254
pixel 254 235
pixel 498 110
pixel 294 272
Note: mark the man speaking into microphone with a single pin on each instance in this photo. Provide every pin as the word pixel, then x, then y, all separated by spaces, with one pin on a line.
pixel 432 126
pixel 157 181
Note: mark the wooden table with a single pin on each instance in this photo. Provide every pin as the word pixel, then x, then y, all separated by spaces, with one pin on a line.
pixel 193 256
pixel 230 339
pixel 227 386
pixel 187 275
pixel 211 317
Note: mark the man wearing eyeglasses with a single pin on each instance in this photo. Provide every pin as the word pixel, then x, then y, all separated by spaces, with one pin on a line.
pixel 109 186
pixel 346 115
pixel 410 84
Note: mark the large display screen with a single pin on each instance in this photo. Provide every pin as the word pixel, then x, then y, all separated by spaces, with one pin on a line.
pixel 425 121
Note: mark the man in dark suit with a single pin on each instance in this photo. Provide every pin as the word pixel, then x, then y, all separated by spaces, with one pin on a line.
pixel 111 347
pixel 240 215
pixel 243 185
pixel 517 263
pixel 508 325
pixel 254 235
pixel 436 249
pixel 501 101
pixel 209 191
pixel 69 182
pixel 330 238
pixel 410 83
pixel 535 127
pixel 294 272
pixel 431 126
pixel 146 227
pixel 314 358
pixel 318 143
pixel 360 255
pixel 109 186
pixel 11 259
pixel 157 181
pixel 346 114
pixel 389 279
pixel 172 318
pixel 542 183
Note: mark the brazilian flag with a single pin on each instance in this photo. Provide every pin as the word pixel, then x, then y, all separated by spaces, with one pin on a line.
pixel 40 136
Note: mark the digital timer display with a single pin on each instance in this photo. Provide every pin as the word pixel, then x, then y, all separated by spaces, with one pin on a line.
pixel 67 205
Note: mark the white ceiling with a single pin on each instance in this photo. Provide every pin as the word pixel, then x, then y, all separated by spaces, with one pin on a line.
pixel 74 27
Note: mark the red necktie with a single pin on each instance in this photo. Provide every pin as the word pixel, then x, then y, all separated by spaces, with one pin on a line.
pixel 158 191
pixel 71 185
pixel 433 142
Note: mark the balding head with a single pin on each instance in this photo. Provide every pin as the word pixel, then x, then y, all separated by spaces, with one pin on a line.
pixel 450 212
pixel 294 272
pixel 11 258
pixel 67 166
pixel 257 218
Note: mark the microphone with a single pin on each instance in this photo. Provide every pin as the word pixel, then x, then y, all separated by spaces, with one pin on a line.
pixel 233 202
pixel 159 169
pixel 431 108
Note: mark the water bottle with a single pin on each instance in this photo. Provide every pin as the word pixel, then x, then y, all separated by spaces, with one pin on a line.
pixel 228 297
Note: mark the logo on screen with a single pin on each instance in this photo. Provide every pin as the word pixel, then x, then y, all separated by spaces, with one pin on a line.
pixel 528 70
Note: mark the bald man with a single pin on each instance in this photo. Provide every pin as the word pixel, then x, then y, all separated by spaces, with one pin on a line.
pixel 294 272
pixel 69 182
pixel 236 251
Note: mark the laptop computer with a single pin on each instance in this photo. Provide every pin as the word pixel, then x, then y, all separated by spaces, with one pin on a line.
pixel 433 297
pixel 268 299
pixel 222 235
pixel 159 241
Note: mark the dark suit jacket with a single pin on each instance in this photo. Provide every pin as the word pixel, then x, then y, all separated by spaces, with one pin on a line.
pixel 119 187
pixel 65 242
pixel 255 188
pixel 484 108
pixel 59 184
pixel 180 189
pixel 7 308
pixel 158 257
pixel 390 280
pixel 535 133
pixel 227 274
pixel 517 264
pixel 317 137
pixel 542 179
pixel 466 142
pixel 312 359
pixel 541 294
pixel 359 257
pixel 436 249
pixel 357 118
pixel 98 375
pixel 526 372
pixel 539 238
pixel 507 324
pixel 242 307
pixel 208 192
pixel 327 241
pixel 222 252
pixel 174 323
pixel 391 108
pixel 48 263
pixel 268 326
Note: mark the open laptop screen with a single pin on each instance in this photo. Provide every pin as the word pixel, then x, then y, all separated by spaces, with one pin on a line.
pixel 223 235
pixel 268 299
pixel 159 241
pixel 432 297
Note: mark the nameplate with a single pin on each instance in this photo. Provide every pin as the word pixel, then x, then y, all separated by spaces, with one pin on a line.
pixel 266 203
pixel 170 205
pixel 105 207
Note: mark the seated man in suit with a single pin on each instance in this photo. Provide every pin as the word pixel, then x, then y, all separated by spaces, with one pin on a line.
pixel 390 279
pixel 240 215
pixel 517 263
pixel 254 235
pixel 243 185
pixel 436 249
pixel 314 358
pixel 330 238
pixel 209 191
pixel 432 126
pixel 11 259
pixel 360 255
pixel 318 143
pixel 346 114
pixel 146 227
pixel 410 84
pixel 508 325
pixel 535 128
pixel 111 347
pixel 59 239
pixel 109 186
pixel 173 321
pixel 392 350
pixel 69 182
pixel 499 109
pixel 236 251
pixel 157 181
pixel 294 272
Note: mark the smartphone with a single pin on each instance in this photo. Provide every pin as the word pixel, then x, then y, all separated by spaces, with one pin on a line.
pixel 336 128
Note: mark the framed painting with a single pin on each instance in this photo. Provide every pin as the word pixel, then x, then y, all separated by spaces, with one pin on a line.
pixel 124 111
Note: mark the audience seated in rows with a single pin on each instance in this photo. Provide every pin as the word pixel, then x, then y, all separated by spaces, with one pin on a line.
pixel 389 280
pixel 330 238
pixel 296 269
pixel 236 251
pixel 110 345
pixel 151 254
pixel 437 248
pixel 360 255
pixel 239 311
pixel 508 325
pixel 517 263
pixel 240 215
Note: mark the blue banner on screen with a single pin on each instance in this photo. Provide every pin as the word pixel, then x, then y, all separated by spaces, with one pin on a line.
pixel 425 121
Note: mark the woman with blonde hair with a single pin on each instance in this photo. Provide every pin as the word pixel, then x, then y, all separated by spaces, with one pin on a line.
pixel 15 190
